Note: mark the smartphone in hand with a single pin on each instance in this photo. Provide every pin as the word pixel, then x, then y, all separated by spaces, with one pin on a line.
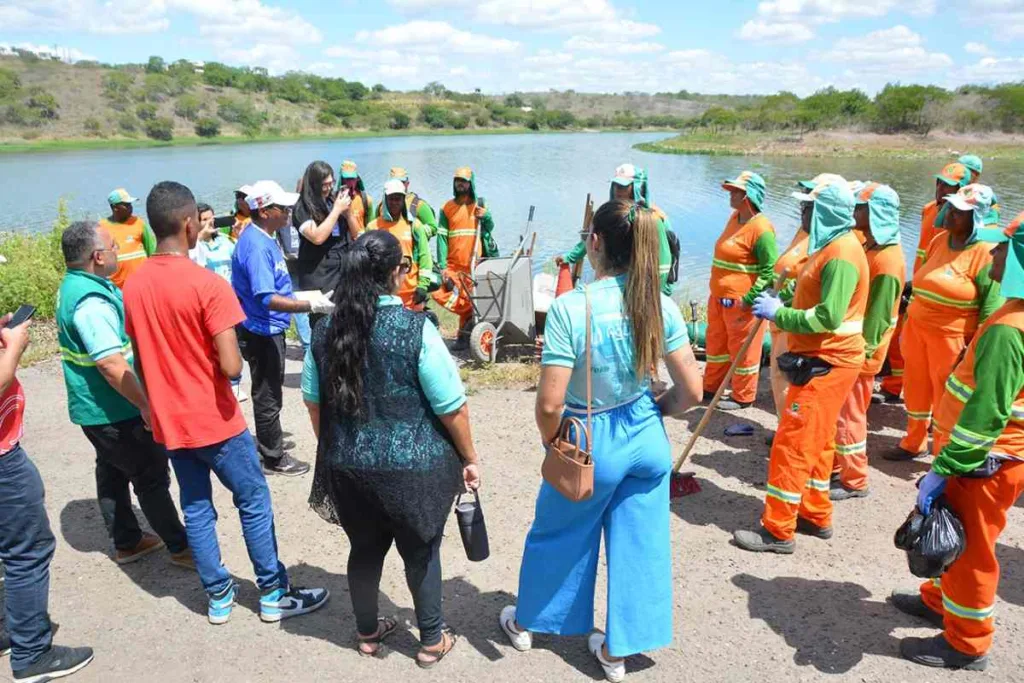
pixel 24 312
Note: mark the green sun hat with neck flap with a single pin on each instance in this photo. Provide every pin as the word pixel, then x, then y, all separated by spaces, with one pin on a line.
pixel 973 162
pixel 1012 286
pixel 751 183
pixel 833 213
pixel 977 199
pixel 884 211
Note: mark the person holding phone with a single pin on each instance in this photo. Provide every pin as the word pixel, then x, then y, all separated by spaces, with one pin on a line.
pixel 106 400
pixel 26 541
pixel 325 227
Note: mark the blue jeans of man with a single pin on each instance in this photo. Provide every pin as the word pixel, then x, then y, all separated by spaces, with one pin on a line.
pixel 26 548
pixel 237 466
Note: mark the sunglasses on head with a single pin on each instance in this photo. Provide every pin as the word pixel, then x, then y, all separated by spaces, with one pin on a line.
pixel 406 265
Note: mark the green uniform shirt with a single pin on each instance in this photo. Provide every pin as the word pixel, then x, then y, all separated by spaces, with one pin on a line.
pixel 488 245
pixel 578 252
pixel 766 251
pixel 838 283
pixel 999 379
pixel 882 295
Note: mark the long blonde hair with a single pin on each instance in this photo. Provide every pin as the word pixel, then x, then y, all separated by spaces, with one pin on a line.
pixel 630 235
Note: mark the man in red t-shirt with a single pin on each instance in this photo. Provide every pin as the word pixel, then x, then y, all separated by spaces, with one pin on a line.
pixel 26 542
pixel 181 319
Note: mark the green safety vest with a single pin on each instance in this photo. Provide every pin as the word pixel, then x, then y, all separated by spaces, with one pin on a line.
pixel 91 399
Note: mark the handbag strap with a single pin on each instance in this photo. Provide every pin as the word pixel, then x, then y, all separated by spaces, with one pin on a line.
pixel 590 396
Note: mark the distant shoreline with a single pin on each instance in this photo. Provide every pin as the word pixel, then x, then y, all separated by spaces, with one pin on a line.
pixel 841 144
pixel 85 144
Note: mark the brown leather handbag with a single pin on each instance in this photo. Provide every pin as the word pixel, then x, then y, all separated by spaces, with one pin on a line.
pixel 568 467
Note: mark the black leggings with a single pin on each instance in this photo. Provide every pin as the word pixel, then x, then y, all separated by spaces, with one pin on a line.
pixel 371 539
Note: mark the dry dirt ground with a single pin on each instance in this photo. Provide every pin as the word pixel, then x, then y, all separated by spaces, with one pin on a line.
pixel 817 615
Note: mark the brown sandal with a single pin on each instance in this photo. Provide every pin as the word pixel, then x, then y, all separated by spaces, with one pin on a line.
pixel 385 627
pixel 448 641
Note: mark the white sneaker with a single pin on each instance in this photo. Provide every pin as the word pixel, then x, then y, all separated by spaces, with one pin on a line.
pixel 240 395
pixel 521 640
pixel 613 671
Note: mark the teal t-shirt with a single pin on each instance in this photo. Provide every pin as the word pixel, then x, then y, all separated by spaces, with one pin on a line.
pixel 436 368
pixel 614 381
pixel 99 328
pixel 216 255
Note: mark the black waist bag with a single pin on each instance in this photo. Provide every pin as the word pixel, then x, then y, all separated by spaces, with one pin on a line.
pixel 800 370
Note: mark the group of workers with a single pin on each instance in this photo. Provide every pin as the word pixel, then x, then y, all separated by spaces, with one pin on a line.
pixel 952 341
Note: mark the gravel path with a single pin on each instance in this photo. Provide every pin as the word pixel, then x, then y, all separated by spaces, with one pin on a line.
pixel 817 615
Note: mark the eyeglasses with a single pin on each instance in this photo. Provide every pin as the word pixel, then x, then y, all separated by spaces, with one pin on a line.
pixel 113 248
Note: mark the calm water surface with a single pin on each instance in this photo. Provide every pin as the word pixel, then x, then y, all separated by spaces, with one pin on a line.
pixel 552 172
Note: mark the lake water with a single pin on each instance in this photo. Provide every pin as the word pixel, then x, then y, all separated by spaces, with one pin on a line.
pixel 552 172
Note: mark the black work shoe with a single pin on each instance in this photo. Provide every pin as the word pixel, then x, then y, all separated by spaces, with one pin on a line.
pixel 762 541
pixel 287 466
pixel 893 399
pixel 708 395
pixel 808 529
pixel 937 652
pixel 900 455
pixel 727 404
pixel 910 602
pixel 877 398
pixel 843 493
pixel 57 662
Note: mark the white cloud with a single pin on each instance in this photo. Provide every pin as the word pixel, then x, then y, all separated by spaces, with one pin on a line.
pixel 990 70
pixel 588 44
pixel 977 49
pixel 892 52
pixel 785 32
pixel 1005 16
pixel 84 16
pixel 438 36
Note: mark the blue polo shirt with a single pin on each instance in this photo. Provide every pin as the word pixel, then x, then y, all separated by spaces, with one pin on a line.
pixel 258 271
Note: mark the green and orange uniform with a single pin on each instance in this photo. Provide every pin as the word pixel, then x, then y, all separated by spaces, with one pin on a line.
pixel 933 214
pixel 416 206
pixel 459 232
pixel 825 324
pixel 135 241
pixel 887 271
pixel 362 209
pixel 791 263
pixel 415 248
pixel 979 423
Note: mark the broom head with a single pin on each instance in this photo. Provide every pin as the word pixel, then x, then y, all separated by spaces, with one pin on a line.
pixel 683 484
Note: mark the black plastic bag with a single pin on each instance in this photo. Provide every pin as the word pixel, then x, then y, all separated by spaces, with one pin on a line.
pixel 932 542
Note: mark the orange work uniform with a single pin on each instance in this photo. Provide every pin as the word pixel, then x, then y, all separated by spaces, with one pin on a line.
pixel 928 232
pixel 980 417
pixel 745 255
pixel 791 262
pixel 887 270
pixel 134 241
pixel 893 382
pixel 825 322
pixel 953 293
pixel 416 249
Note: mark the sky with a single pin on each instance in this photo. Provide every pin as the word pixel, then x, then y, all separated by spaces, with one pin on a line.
pixel 500 46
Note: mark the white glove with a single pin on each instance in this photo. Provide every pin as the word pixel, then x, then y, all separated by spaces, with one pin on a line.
pixel 320 304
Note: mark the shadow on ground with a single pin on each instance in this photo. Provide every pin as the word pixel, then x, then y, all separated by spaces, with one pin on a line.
pixel 715 506
pixel 829 625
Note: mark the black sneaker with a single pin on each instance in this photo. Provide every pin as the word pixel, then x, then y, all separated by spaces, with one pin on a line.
pixel 808 529
pixel 727 405
pixel 900 455
pixel 910 602
pixel 57 662
pixel 843 493
pixel 287 466
pixel 877 398
pixel 762 541
pixel 937 652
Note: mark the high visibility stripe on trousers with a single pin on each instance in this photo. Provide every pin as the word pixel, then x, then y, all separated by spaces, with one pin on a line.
pixel 929 358
pixel 893 384
pixel 851 462
pixel 727 330
pixel 966 593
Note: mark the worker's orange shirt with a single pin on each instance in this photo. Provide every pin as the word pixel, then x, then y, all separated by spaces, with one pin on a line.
pixel 734 268
pixel 794 258
pixel 946 297
pixel 462 234
pixel 928 231
pixel 131 252
pixel 885 261
pixel 845 346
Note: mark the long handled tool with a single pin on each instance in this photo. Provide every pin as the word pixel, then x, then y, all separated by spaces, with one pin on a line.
pixel 684 483
pixel 588 216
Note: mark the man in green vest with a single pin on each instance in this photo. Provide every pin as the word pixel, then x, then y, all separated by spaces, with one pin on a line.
pixel 106 400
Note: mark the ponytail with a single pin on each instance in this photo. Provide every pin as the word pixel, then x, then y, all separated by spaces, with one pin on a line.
pixel 365 273
pixel 631 244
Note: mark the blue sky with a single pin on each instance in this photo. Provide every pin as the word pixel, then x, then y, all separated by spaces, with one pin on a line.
pixel 722 46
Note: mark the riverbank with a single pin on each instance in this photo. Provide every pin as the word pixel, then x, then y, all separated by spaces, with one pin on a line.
pixel 841 144
pixel 85 144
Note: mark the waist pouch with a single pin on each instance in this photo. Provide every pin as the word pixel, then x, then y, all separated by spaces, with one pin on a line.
pixel 800 370
pixel 990 467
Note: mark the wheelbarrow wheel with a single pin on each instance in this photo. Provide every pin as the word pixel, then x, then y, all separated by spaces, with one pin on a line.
pixel 483 341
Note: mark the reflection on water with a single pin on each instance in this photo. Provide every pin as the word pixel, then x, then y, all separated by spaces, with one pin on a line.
pixel 552 172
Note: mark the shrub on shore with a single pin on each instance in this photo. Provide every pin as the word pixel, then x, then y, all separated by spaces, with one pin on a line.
pixel 34 268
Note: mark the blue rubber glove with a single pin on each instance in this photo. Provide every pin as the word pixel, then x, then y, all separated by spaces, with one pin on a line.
pixel 727 303
pixel 766 306
pixel 929 487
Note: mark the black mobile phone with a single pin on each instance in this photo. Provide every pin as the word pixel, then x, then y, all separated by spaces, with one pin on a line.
pixel 24 312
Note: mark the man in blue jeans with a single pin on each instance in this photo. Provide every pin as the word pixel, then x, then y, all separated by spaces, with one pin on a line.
pixel 26 542
pixel 181 319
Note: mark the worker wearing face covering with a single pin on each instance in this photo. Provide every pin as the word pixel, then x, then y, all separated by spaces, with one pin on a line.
pixel 878 218
pixel 953 295
pixel 416 260
pixel 826 354
pixel 361 211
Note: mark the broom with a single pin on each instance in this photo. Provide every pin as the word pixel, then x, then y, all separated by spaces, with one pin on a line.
pixel 685 483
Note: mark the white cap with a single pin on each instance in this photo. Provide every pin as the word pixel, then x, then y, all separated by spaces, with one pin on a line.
pixel 266 193
pixel 820 181
pixel 244 190
pixel 394 186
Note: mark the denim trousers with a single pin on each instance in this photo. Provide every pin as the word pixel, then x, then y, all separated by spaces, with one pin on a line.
pixel 237 466
pixel 26 548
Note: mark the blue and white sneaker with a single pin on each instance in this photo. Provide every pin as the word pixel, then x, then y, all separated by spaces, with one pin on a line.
pixel 282 603
pixel 221 603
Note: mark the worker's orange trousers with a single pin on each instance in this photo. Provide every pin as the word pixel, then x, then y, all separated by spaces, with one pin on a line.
pixel 780 383
pixel 851 463
pixel 727 330
pixel 966 593
pixel 802 453
pixel 930 358
pixel 893 383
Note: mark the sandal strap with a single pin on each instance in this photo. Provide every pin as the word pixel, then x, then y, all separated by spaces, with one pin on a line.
pixel 447 637
pixel 384 626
